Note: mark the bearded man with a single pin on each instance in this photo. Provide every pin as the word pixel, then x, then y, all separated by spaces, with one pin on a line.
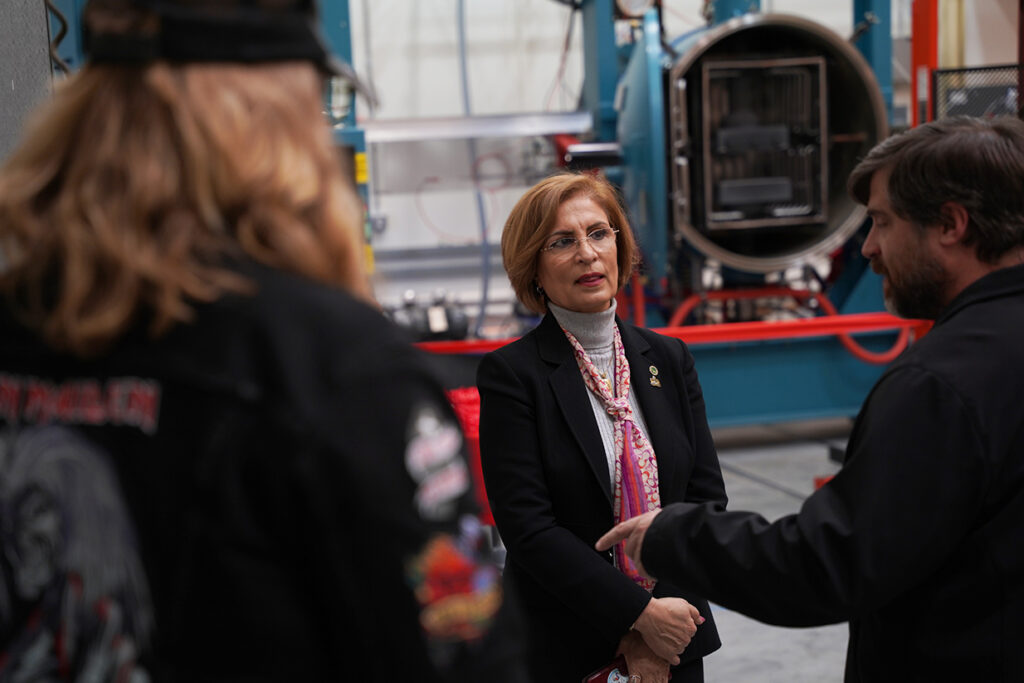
pixel 917 541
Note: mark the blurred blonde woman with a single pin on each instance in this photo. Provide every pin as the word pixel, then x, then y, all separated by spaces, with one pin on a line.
pixel 183 288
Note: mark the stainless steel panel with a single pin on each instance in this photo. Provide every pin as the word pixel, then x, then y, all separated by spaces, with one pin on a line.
pixel 24 66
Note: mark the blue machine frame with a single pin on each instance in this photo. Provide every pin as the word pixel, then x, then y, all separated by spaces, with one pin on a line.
pixel 69 48
pixel 334 19
pixel 642 133
pixel 749 382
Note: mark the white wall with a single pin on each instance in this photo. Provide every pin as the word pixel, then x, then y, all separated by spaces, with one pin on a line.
pixel 513 46
pixel 990 32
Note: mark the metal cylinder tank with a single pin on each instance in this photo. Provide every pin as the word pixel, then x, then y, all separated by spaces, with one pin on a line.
pixel 768 114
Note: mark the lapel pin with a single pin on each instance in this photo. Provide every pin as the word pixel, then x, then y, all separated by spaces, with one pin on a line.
pixel 655 382
pixel 654 370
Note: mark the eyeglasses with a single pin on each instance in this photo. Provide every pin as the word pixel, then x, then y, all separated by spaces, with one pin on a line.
pixel 601 239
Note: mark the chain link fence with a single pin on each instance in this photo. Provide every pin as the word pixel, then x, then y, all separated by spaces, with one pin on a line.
pixel 979 91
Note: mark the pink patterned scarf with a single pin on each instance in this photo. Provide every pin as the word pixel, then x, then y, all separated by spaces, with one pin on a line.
pixel 636 469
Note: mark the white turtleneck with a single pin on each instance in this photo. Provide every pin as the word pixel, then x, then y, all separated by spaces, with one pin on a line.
pixel 594 331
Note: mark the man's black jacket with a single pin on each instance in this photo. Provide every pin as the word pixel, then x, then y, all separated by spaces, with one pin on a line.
pixel 919 540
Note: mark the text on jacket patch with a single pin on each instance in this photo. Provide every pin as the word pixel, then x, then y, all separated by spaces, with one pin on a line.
pixel 121 401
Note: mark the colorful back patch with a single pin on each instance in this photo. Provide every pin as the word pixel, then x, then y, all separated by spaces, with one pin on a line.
pixel 74 601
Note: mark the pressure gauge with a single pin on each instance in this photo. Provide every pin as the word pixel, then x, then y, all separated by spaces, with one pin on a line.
pixel 633 8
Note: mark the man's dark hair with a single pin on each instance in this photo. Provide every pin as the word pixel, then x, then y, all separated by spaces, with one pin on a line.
pixel 977 163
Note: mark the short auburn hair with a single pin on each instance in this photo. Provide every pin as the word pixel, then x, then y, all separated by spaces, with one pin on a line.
pixel 532 218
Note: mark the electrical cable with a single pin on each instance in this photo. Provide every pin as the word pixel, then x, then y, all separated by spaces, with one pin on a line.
pixel 666 45
pixel 708 11
pixel 485 247
pixel 506 168
pixel 562 60
pixel 859 351
pixel 669 49
pixel 851 345
pixel 55 57
pixel 421 211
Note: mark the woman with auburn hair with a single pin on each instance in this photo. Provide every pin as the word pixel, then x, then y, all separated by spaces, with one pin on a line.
pixel 585 421
pixel 183 300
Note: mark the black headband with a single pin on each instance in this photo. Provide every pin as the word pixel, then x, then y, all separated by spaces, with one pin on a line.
pixel 238 34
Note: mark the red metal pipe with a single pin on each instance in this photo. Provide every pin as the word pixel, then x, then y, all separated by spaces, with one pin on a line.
pixel 822 326
pixel 691 302
pixel 847 341
pixel 924 57
pixel 639 305
pixel 562 142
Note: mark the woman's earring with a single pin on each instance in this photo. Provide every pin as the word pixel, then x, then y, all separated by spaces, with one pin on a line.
pixel 540 290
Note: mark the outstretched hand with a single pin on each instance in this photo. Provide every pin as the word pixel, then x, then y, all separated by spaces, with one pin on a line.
pixel 632 531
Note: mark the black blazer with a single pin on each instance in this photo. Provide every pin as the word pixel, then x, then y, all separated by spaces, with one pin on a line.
pixel 547 480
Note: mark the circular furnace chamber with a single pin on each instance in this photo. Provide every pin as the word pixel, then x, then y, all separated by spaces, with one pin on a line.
pixel 768 114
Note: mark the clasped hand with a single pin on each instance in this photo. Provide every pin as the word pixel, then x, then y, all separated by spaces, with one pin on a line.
pixel 641 660
pixel 667 626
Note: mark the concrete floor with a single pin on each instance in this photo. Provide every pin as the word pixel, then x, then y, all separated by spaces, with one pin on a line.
pixel 771 469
